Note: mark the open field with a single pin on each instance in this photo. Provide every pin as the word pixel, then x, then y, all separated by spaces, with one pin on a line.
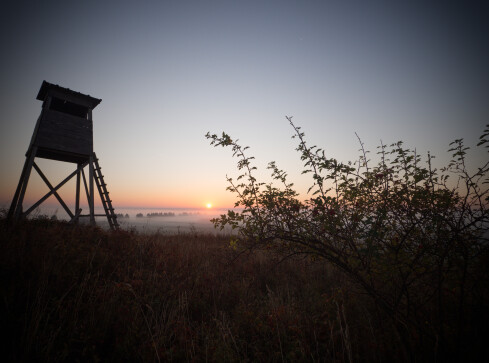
pixel 82 293
pixel 178 220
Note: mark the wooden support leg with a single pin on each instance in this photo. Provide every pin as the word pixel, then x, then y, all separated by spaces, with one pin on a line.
pixel 92 194
pixel 16 207
pixel 86 188
pixel 77 196
pixel 15 200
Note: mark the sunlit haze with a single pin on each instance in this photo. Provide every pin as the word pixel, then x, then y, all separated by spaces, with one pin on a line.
pixel 170 71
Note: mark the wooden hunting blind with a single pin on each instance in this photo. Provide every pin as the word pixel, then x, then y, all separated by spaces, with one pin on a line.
pixel 64 132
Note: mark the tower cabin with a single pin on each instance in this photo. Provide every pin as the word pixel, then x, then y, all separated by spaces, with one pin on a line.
pixel 64 129
pixel 64 132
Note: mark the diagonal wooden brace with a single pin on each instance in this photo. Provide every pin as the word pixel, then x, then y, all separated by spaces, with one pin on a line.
pixel 76 216
pixel 52 191
pixel 60 200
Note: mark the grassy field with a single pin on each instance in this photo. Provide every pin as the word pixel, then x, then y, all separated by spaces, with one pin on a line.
pixel 79 293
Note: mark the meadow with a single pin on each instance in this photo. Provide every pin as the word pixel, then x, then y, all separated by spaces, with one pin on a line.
pixel 81 293
pixel 385 262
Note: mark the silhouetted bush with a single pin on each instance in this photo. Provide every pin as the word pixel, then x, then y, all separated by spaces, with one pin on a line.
pixel 412 237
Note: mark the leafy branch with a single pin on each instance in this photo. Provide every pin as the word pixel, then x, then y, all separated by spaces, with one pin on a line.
pixel 409 236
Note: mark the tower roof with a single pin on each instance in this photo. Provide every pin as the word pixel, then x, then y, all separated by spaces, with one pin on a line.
pixel 54 89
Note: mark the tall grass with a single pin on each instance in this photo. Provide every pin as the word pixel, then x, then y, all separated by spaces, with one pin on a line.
pixel 79 293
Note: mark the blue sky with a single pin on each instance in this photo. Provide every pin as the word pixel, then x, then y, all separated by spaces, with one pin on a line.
pixel 169 71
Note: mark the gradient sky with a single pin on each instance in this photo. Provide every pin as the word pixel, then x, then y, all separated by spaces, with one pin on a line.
pixel 169 71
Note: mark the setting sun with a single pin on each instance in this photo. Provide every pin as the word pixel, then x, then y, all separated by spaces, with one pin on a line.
pixel 208 205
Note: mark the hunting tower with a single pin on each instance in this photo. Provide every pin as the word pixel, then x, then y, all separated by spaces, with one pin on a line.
pixel 64 132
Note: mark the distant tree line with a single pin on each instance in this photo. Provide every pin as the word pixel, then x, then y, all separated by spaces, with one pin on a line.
pixel 164 214
pixel 161 214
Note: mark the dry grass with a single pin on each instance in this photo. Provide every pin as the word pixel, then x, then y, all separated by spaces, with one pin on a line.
pixel 83 294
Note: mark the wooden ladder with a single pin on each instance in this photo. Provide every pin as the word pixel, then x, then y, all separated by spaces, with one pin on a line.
pixel 104 194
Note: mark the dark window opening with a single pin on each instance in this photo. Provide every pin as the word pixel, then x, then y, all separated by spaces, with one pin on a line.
pixel 68 107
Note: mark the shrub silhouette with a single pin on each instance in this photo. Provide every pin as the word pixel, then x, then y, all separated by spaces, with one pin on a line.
pixel 414 238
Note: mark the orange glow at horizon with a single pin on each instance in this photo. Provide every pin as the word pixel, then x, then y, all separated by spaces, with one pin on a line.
pixel 122 196
pixel 123 193
pixel 175 199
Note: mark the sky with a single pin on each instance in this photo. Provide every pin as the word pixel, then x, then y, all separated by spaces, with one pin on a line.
pixel 170 71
